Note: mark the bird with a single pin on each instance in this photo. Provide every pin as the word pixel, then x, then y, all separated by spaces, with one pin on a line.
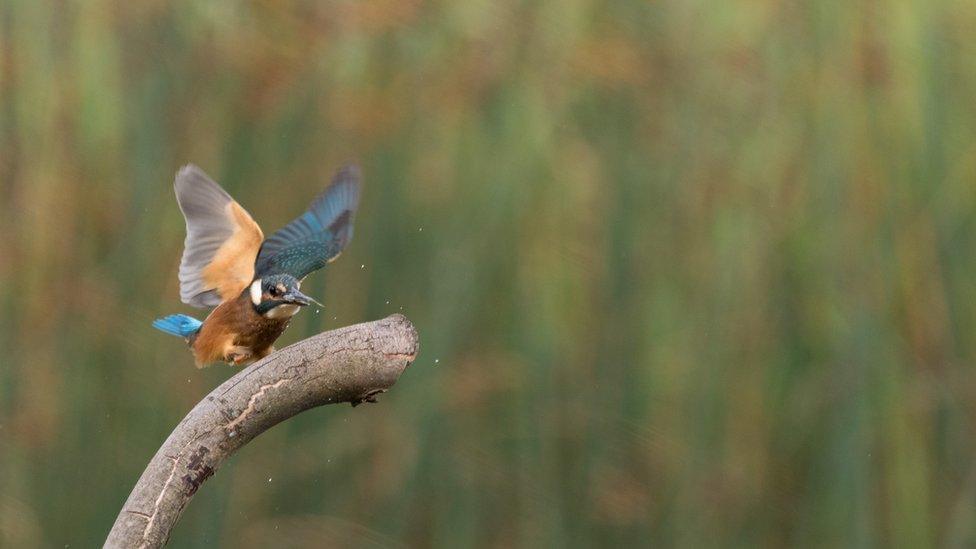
pixel 252 283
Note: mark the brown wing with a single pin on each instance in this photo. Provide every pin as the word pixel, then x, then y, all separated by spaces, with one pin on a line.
pixel 222 241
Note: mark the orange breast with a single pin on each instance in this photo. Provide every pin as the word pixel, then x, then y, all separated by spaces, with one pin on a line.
pixel 216 336
pixel 233 324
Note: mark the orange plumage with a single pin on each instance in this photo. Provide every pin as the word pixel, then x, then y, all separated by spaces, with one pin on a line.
pixel 234 332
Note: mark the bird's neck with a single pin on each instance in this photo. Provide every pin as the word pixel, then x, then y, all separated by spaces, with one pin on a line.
pixel 273 310
pixel 284 310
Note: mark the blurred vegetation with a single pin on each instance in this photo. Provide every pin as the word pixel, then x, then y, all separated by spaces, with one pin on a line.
pixel 686 273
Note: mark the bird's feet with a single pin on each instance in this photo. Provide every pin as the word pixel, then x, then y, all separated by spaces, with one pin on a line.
pixel 238 355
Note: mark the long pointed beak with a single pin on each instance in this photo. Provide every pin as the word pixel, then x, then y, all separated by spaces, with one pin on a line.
pixel 298 298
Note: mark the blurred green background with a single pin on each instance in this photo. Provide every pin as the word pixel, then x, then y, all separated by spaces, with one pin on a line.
pixel 686 273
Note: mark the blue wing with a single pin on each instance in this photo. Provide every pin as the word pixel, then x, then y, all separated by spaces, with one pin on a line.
pixel 318 235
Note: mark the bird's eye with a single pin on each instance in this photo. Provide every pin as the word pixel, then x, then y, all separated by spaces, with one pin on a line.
pixel 273 291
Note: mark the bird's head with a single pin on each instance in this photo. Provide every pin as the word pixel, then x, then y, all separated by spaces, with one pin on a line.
pixel 277 296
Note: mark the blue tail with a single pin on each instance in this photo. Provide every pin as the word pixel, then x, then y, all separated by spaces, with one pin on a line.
pixel 178 325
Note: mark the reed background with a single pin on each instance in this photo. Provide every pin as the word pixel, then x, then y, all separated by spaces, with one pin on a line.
pixel 686 273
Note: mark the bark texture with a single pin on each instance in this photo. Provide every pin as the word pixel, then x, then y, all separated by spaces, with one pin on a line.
pixel 351 364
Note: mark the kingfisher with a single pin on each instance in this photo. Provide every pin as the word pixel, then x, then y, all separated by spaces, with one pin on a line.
pixel 253 283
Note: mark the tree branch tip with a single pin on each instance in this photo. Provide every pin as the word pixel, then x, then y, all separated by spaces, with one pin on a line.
pixel 367 397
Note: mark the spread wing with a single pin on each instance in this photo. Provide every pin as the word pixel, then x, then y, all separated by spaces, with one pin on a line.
pixel 222 241
pixel 318 235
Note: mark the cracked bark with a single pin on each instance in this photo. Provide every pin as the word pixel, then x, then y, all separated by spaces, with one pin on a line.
pixel 351 364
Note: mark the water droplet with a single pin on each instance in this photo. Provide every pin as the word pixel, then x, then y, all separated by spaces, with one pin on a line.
pixel 363 266
pixel 387 301
pixel 317 311
pixel 421 229
pixel 269 479
pixel 436 360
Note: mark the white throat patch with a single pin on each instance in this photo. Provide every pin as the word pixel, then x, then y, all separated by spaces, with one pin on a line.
pixel 286 310
pixel 256 292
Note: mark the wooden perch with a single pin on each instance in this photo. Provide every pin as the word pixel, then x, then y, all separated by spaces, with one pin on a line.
pixel 351 364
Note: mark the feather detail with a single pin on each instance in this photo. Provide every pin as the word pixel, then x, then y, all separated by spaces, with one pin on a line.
pixel 319 235
pixel 222 241
pixel 178 325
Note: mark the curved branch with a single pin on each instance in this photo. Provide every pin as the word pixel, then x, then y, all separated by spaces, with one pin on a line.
pixel 351 364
